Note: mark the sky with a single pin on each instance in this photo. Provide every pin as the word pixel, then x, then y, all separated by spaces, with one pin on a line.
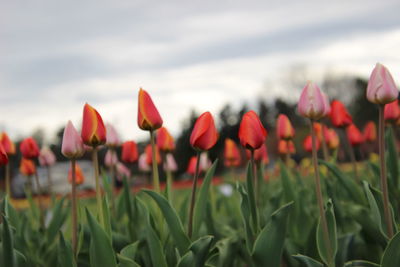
pixel 57 55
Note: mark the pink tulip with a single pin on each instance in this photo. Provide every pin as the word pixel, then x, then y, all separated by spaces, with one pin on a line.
pixel 112 136
pixel 170 163
pixel 46 157
pixel 205 162
pixel 143 166
pixel 312 103
pixel 111 158
pixel 122 171
pixel 72 144
pixel 381 87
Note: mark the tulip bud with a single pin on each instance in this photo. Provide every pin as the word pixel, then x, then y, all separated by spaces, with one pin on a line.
pixel 312 103
pixel 318 130
pixel 340 118
pixel 8 145
pixel 307 144
pixel 112 136
pixel 79 177
pixel 93 129
pixel 204 134
pixel 354 135
pixel 392 112
pixel 111 158
pixel 205 162
pixel 72 144
pixel 286 147
pixel 27 167
pixel 46 157
pixel 284 129
pixel 3 156
pixel 165 141
pixel 170 163
pixel 331 138
pixel 261 155
pixel 192 166
pixel 252 133
pixel 129 152
pixel 143 166
pixel 149 155
pixel 231 153
pixel 122 171
pixel 369 133
pixel 381 88
pixel 148 117
pixel 29 148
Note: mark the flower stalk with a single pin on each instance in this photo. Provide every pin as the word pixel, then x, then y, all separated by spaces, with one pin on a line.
pixel 98 189
pixel 193 197
pixel 74 209
pixel 156 179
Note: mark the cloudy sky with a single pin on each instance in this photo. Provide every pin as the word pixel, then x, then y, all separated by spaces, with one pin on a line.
pixel 57 55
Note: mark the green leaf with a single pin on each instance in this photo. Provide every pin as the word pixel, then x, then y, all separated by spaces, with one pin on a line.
pixel 330 220
pixel 101 251
pixel 198 253
pixel 130 250
pixel 129 209
pixel 201 202
pixel 349 184
pixel 56 222
pixel 11 213
pixel 375 210
pixel 126 262
pixel 245 210
pixel 360 263
pixel 391 157
pixel 391 255
pixel 106 216
pixel 288 191
pixel 268 246
pixel 174 223
pixel 251 197
pixel 65 254
pixel 307 261
pixel 8 246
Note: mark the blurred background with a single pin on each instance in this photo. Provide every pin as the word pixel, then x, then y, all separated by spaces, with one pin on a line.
pixel 192 56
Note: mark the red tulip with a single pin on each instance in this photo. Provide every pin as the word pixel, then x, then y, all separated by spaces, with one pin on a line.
pixel 392 111
pixel 3 156
pixel 354 135
pixel 231 153
pixel 148 117
pixel 252 133
pixel 192 165
pixel 29 148
pixel 284 129
pixel 261 155
pixel 8 145
pixel 129 152
pixel 339 115
pixel 79 177
pixel 331 138
pixel 204 134
pixel 165 141
pixel 369 133
pixel 149 155
pixel 27 167
pixel 93 129
pixel 286 147
pixel 307 144
pixel 318 130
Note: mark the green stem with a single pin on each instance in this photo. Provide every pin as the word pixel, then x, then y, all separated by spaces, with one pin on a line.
pixel 8 181
pixel 169 186
pixel 384 186
pixel 98 189
pixel 112 181
pixel 318 192
pixel 73 210
pixel 156 179
pixel 39 197
pixel 251 193
pixel 193 198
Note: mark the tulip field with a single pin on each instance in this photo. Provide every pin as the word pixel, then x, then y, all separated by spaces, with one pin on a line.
pixel 326 213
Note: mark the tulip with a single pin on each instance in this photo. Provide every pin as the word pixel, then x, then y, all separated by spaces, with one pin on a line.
pixel 203 166
pixel 3 156
pixel 205 162
pixel 392 112
pixel 369 133
pixel 191 169
pixel 261 155
pixel 307 144
pixel 112 138
pixel 79 177
pixel 286 147
pixel 284 129
pixel 318 130
pixel 339 115
pixel 149 155
pixel 111 159
pixel 332 139
pixel 252 133
pixel 143 166
pixel 46 157
pixel 204 134
pixel 72 144
pixel 27 167
pixel 165 141
pixel 29 148
pixel 312 103
pixel 8 145
pixel 231 153
pixel 129 152
pixel 170 163
pixel 381 88
pixel 93 129
pixel 148 117
pixel 354 135
pixel 122 171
